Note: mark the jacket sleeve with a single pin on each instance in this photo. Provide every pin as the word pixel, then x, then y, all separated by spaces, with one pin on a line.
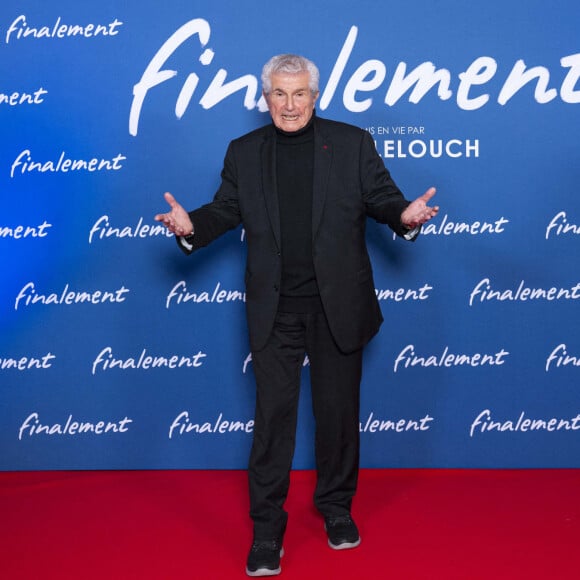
pixel 220 215
pixel 383 200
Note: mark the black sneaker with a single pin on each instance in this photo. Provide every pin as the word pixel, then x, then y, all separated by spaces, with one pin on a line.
pixel 342 532
pixel 264 558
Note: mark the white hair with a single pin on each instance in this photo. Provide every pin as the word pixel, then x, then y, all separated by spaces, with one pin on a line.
pixel 289 64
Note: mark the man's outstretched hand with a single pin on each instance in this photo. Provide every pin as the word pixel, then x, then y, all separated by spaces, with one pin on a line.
pixel 418 212
pixel 176 220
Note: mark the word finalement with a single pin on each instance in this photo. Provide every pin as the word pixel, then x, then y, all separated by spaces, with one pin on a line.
pixel 484 292
pixel 180 295
pixel 448 227
pixel 102 229
pixel 25 363
pixel 182 424
pixel 483 423
pixel 373 425
pixel 28 296
pixel 404 294
pixel 367 84
pixel 32 426
pixel 20 29
pixel 407 358
pixel 559 357
pixel 17 98
pixel 560 225
pixel 20 232
pixel 25 164
pixel 106 361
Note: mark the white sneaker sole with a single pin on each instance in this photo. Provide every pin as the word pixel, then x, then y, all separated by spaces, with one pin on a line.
pixel 266 571
pixel 344 545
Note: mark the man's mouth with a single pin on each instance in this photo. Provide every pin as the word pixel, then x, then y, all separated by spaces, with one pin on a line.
pixel 290 117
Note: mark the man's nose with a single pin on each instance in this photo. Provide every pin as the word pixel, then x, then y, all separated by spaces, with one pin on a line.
pixel 290 103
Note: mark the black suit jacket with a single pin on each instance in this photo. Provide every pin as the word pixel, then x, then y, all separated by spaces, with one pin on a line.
pixel 350 183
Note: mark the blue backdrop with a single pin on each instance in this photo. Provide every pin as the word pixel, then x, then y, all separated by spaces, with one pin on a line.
pixel 117 351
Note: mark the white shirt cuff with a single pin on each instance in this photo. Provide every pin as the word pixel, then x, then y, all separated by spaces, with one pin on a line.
pixel 412 233
pixel 185 243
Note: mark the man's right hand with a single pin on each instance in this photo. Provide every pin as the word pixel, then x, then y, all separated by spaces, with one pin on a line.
pixel 177 219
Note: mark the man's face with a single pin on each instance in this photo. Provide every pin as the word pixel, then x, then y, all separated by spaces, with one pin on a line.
pixel 291 102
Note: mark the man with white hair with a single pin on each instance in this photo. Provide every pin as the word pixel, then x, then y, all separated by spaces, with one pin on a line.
pixel 303 187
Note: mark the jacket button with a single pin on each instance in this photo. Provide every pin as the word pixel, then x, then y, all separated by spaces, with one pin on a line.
pixel 276 288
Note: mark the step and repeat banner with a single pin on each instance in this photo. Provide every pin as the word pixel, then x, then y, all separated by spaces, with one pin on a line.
pixel 119 352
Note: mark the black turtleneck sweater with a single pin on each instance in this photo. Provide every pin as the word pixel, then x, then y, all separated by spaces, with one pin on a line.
pixel 295 174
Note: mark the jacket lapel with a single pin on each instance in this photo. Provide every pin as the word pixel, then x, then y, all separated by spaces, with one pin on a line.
pixel 269 187
pixel 322 163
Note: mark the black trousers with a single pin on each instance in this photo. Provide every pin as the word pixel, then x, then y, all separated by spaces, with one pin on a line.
pixel 335 380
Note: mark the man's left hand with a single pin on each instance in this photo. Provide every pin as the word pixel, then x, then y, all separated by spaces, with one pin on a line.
pixel 418 212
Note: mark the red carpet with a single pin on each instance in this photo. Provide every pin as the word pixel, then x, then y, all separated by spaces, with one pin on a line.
pixel 415 524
